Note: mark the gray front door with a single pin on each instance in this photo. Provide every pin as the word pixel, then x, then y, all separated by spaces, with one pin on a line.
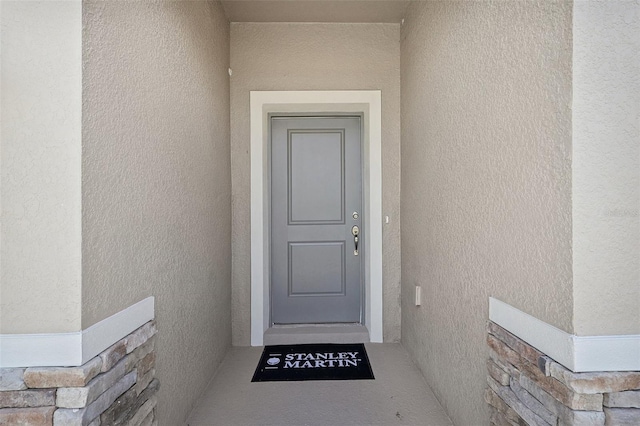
pixel 316 200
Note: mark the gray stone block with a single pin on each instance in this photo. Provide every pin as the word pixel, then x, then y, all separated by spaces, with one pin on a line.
pixel 626 399
pixel 582 418
pixel 532 403
pixel 144 411
pixel 121 408
pixel 504 352
pixel 557 389
pixel 497 373
pixel 622 416
pixel 495 402
pixel 12 379
pixel 600 382
pixel 28 398
pixel 126 406
pixel 525 350
pixel 140 336
pixel 83 416
pixel 496 418
pixel 148 421
pixel 544 364
pixel 140 352
pixel 70 417
pixel 566 416
pixel 112 355
pixel 55 377
pixel 146 363
pixel 512 401
pixel 144 381
pixel 35 416
pixel 79 397
pixel 509 368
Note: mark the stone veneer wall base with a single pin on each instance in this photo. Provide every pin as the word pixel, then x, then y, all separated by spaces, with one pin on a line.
pixel 526 387
pixel 117 387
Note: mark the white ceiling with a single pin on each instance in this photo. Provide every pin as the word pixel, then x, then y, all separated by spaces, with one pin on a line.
pixel 315 10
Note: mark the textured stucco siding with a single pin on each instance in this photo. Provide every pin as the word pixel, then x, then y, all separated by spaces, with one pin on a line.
pixel 41 105
pixel 606 167
pixel 156 182
pixel 486 181
pixel 314 57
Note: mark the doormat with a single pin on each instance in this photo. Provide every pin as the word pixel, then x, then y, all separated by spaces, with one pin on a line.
pixel 328 361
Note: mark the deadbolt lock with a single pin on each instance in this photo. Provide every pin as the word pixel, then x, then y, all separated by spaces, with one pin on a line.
pixel 355 215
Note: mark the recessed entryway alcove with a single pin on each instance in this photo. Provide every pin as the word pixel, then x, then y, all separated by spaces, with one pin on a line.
pixel 128 176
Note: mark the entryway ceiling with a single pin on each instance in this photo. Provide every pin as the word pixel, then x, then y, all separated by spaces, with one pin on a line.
pixel 315 10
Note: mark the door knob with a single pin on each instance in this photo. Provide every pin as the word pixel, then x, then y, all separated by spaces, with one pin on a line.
pixel 355 231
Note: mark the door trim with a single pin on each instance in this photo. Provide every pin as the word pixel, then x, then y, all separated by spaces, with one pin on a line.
pixel 365 102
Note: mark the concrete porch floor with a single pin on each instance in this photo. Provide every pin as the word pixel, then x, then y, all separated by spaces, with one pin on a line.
pixel 399 395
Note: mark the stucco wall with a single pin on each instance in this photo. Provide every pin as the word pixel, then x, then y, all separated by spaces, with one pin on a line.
pixel 41 103
pixel 606 167
pixel 486 181
pixel 314 57
pixel 156 181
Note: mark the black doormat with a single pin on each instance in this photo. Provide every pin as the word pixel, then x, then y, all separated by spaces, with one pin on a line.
pixel 313 362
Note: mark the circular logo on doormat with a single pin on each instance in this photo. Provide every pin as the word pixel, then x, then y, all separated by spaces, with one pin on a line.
pixel 273 361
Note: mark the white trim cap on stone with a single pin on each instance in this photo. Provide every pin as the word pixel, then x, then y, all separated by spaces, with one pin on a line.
pixel 73 349
pixel 579 354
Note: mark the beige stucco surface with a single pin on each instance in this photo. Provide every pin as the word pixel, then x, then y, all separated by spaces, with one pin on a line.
pixel 606 167
pixel 486 181
pixel 269 56
pixel 40 253
pixel 156 182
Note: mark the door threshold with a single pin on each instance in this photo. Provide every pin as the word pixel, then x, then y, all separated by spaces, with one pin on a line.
pixel 316 333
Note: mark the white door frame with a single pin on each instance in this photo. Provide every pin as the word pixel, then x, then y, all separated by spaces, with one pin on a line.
pixel 366 102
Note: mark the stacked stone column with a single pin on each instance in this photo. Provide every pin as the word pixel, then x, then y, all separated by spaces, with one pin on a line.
pixel 526 387
pixel 117 387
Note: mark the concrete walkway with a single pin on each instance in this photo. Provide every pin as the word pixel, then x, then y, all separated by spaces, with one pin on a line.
pixel 399 395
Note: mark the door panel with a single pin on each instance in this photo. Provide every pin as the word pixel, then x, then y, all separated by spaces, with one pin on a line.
pixel 316 185
pixel 316 177
pixel 316 269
